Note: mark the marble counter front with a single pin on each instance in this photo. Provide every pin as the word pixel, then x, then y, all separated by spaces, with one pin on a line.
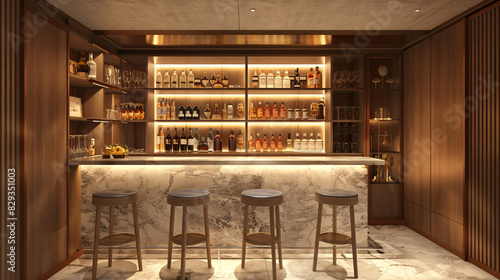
pixel 225 182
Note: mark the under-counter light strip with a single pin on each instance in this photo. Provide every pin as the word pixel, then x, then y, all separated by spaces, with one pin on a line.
pixel 188 65
pixel 202 123
pixel 182 95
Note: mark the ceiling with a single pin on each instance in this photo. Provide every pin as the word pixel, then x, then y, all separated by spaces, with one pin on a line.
pixel 269 14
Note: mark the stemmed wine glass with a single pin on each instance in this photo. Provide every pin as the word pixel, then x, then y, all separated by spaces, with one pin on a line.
pixel 117 80
pixel 126 78
pixel 72 151
pixel 344 78
pixel 136 77
pixel 108 74
pixel 85 149
pixel 350 78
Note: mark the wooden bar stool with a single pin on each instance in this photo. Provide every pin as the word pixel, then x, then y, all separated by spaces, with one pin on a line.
pixel 185 198
pixel 336 197
pixel 263 197
pixel 114 198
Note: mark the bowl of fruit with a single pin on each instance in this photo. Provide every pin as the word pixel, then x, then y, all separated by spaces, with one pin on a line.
pixel 115 150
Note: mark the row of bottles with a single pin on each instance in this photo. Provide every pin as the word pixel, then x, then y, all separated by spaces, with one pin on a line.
pixel 273 144
pixel 189 81
pixel 315 110
pixel 165 111
pixel 192 142
pixel 132 111
pixel 87 69
pixel 313 79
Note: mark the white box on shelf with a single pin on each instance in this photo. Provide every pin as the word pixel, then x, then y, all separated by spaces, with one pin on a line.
pixel 75 107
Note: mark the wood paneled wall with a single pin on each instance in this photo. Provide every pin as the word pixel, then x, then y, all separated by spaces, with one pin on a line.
pixel 10 128
pixel 434 142
pixel 46 144
pixel 483 149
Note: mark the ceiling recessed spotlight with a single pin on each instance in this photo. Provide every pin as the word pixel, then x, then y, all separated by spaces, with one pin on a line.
pixel 417 10
pixel 252 10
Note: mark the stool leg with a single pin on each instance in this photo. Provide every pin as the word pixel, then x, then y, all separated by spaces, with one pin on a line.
pixel 245 229
pixel 207 235
pixel 111 222
pixel 278 228
pixel 184 241
pixel 316 240
pixel 273 240
pixel 334 226
pixel 353 240
pixel 171 236
pixel 96 241
pixel 137 238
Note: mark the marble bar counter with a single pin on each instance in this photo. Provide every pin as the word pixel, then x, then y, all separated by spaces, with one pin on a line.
pixel 225 177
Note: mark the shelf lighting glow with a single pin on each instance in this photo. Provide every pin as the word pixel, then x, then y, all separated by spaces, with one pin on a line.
pixel 297 95
pixel 189 65
pixel 291 65
pixel 202 123
pixel 288 123
pixel 241 95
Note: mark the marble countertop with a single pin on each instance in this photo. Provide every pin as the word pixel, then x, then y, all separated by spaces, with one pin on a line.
pixel 229 160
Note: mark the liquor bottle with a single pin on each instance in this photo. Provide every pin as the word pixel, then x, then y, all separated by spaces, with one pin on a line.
pixel 130 113
pixel 346 139
pixel 159 112
pixel 251 144
pixel 92 67
pixel 225 80
pixel 166 80
pixel 230 112
pixel 216 115
pixel 296 143
pixel 240 141
pixel 279 146
pixel 210 140
pixel 267 111
pixel 321 110
pixel 286 80
pixel 270 79
pixel 189 113
pixel 283 111
pixel 182 113
pixel 168 141
pixel 289 145
pixel 191 79
pixel 124 111
pixel 232 141
pixel 197 82
pixel 159 80
pixel 224 112
pixel 175 142
pixel 82 68
pixel 289 112
pixel 265 143
pixel 183 142
pixel 167 111
pixel 303 81
pixel 318 78
pixel 203 145
pixel 258 144
pixel 217 142
pixel 304 144
pixel 213 80
pixel 172 111
pixel 205 82
pixel 207 112
pixel 304 112
pixel 337 140
pixel 160 140
pixel 163 110
pixel 218 83
pixel 255 80
pixel 311 146
pixel 272 144
pixel 174 81
pixel 310 79
pixel 298 113
pixel 260 111
pixel 276 112
pixel 319 143
pixel 190 142
pixel 196 113
pixel 252 114
pixel 196 139
pixel 297 79
pixel 92 147
pixel 262 80
pixel 137 115
pixel 278 81
pixel 182 79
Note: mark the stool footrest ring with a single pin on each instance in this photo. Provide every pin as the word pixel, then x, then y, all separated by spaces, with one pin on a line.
pixel 192 238
pixel 117 239
pixel 335 238
pixel 260 238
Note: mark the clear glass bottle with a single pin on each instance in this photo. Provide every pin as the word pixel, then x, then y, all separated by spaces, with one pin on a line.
pixel 159 80
pixel 216 115
pixel 166 80
pixel 304 143
pixel 311 146
pixel 159 110
pixel 190 79
pixel 278 81
pixel 210 140
pixel 255 80
pixel 207 112
pixel 182 80
pixel 319 143
pixel 196 139
pixel 174 81
pixel 172 111
pixel 240 141
pixel 305 112
pixel 224 112
pixel 262 80
pixel 230 112
pixel 296 143
pixel 289 112
pixel 289 144
pixel 205 82
pixel 160 141
pixel 286 80
pixel 225 80
pixel 270 79
pixel 92 147
pixel 252 114
pixel 92 67
pixel 298 112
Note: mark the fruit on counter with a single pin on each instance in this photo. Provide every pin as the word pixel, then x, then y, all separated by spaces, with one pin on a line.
pixel 115 149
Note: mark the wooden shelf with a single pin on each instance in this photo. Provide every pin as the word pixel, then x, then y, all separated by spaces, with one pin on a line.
pixel 347 90
pixel 196 121
pixel 78 119
pixel 197 89
pixel 347 121
pixel 79 81
pixel 288 89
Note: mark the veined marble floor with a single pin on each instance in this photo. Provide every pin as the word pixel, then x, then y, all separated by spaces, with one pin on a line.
pixel 405 255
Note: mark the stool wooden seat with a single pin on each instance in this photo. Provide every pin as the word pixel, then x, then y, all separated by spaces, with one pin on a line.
pixel 336 197
pixel 184 198
pixel 272 199
pixel 112 198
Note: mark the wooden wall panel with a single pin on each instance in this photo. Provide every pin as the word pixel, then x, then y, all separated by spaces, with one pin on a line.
pixel 46 153
pixel 483 130
pixel 418 217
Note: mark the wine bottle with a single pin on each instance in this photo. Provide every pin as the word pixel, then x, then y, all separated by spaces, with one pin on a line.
pixel 190 142
pixel 189 113
pixel 217 142
pixel 168 141
pixel 196 113
pixel 175 142
pixel 182 113
pixel 232 141
pixel 160 140
pixel 207 112
pixel 183 142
